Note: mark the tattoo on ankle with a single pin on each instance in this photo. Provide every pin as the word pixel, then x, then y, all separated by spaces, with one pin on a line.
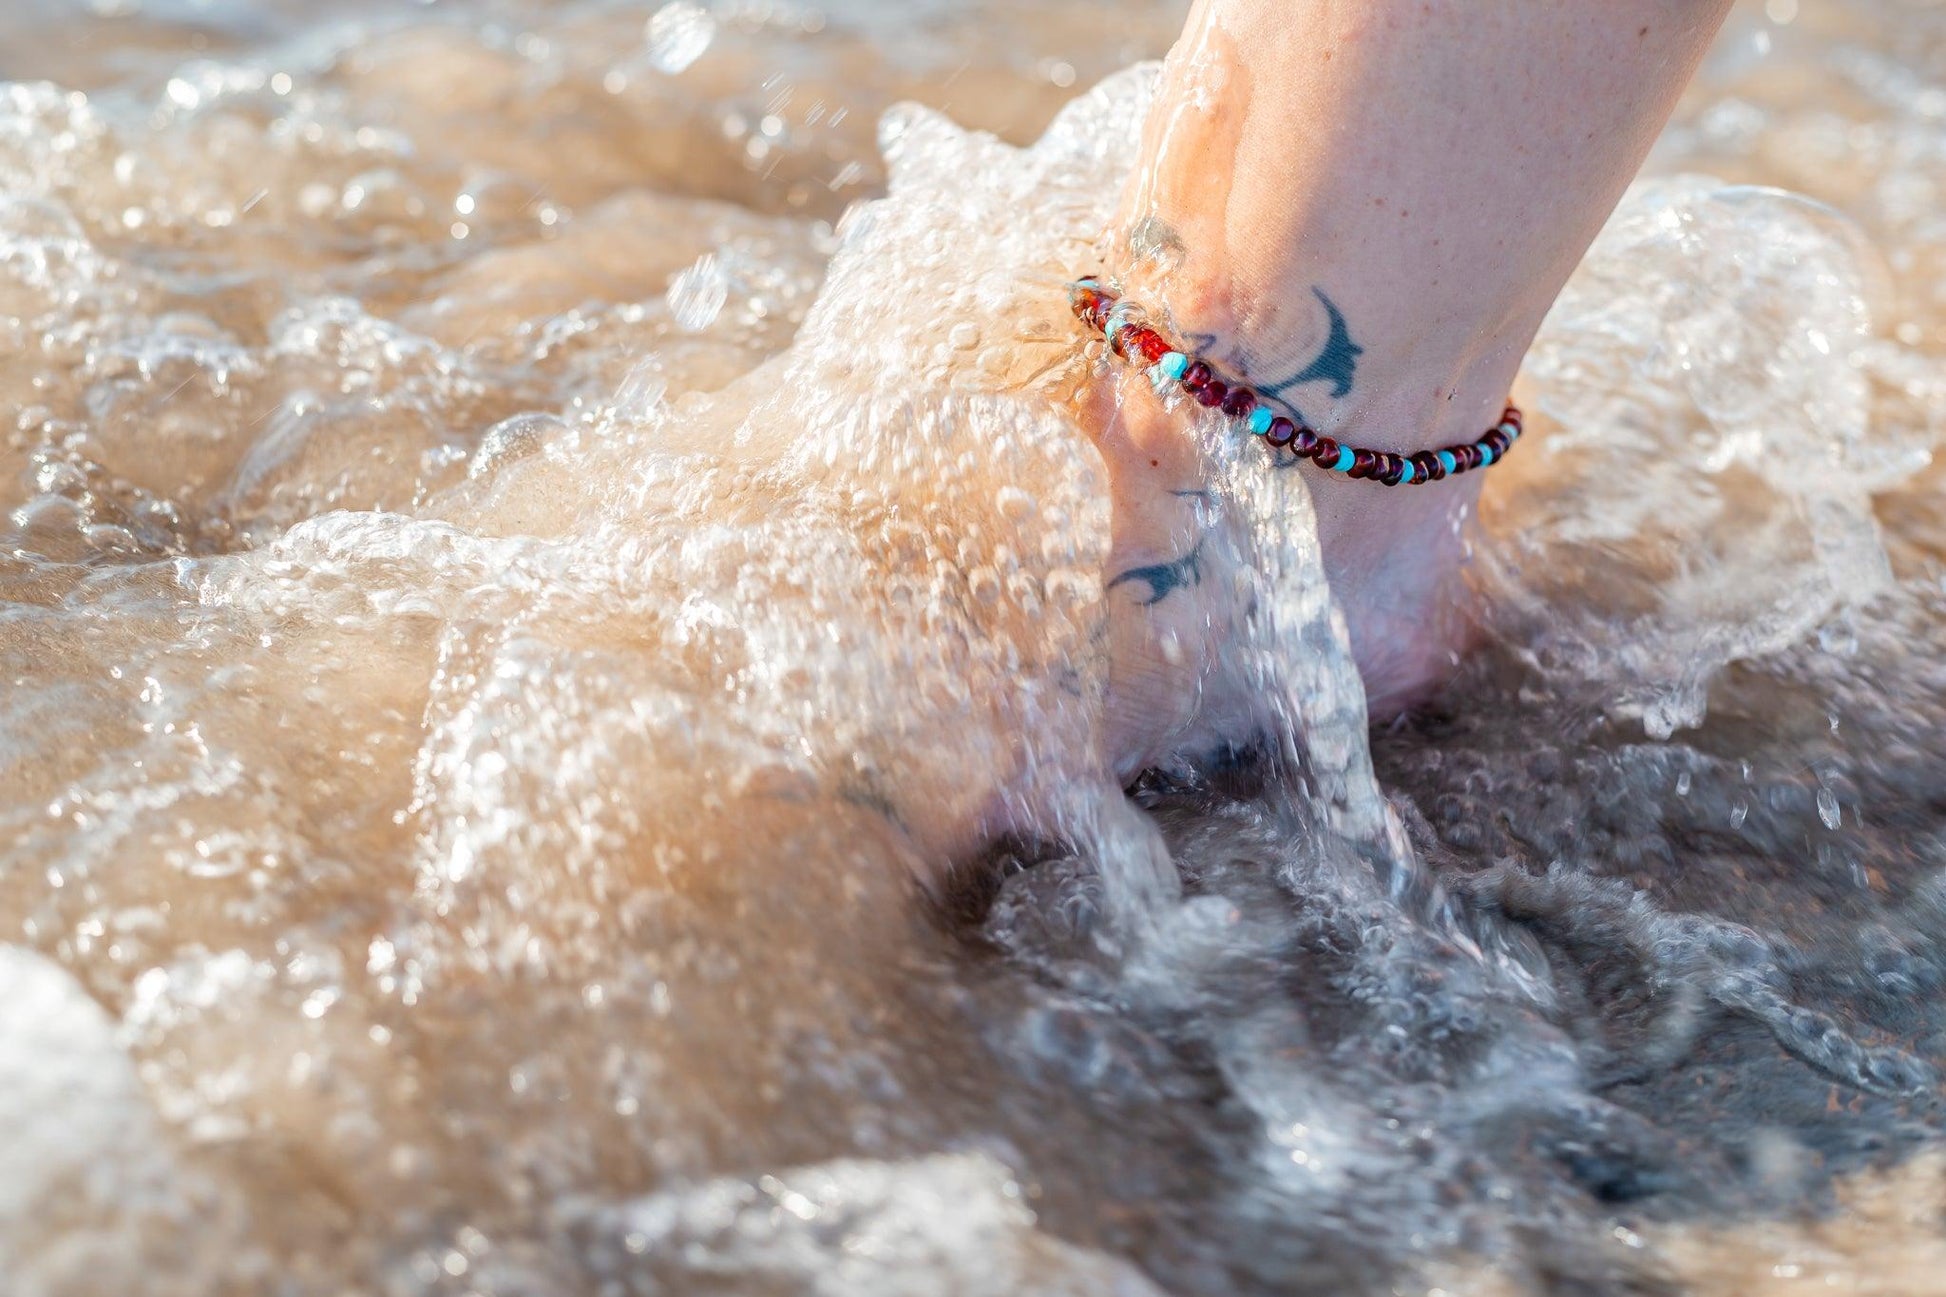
pixel 1164 579
pixel 1336 362
pixel 1155 241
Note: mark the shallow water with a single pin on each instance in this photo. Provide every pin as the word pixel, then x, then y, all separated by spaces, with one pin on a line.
pixel 505 563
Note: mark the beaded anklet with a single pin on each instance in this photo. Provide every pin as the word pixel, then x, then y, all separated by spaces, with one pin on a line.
pixel 1125 326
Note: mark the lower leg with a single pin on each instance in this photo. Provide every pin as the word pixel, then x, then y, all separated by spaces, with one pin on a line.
pixel 1363 210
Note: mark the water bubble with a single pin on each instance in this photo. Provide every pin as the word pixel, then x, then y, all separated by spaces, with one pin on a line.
pixel 678 34
pixel 512 439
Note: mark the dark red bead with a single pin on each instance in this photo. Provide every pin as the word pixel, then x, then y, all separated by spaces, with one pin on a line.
pixel 1281 432
pixel 1305 441
pixel 1211 394
pixel 1151 346
pixel 1499 441
pixel 1426 467
pixel 1391 468
pixel 1325 452
pixel 1363 463
pixel 1239 403
pixel 1196 376
pixel 1512 416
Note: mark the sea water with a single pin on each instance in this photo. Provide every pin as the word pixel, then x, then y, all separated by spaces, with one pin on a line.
pixel 521 520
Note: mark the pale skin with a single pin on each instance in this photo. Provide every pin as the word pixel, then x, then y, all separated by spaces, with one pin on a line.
pixel 1364 208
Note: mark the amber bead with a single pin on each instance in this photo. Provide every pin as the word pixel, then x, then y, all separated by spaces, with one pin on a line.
pixel 1211 394
pixel 1391 468
pixel 1305 441
pixel 1281 432
pixel 1239 403
pixel 1196 376
pixel 1151 346
pixel 1325 452
pixel 1363 463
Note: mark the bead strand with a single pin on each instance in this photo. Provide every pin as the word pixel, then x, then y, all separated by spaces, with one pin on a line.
pixel 1125 326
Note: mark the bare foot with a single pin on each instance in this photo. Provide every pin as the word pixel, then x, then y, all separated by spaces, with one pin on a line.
pixel 1393 558
pixel 1265 235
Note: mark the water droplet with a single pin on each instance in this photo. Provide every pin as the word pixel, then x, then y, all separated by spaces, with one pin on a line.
pixel 1828 809
pixel 696 295
pixel 678 34
pixel 1015 503
pixel 984 584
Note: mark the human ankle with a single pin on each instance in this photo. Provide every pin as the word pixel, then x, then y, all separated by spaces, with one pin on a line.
pixel 1304 353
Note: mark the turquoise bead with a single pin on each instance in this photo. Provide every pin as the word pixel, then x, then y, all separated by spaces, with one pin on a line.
pixel 1260 421
pixel 1345 459
pixel 1159 379
pixel 1406 474
pixel 1486 456
pixel 1448 462
pixel 1174 364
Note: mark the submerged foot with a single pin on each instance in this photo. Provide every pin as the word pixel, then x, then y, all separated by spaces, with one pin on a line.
pixel 1393 559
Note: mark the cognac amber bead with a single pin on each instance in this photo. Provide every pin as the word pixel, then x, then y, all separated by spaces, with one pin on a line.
pixel 1211 394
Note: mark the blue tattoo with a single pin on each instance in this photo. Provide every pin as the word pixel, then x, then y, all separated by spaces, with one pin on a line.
pixel 1164 579
pixel 1335 364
